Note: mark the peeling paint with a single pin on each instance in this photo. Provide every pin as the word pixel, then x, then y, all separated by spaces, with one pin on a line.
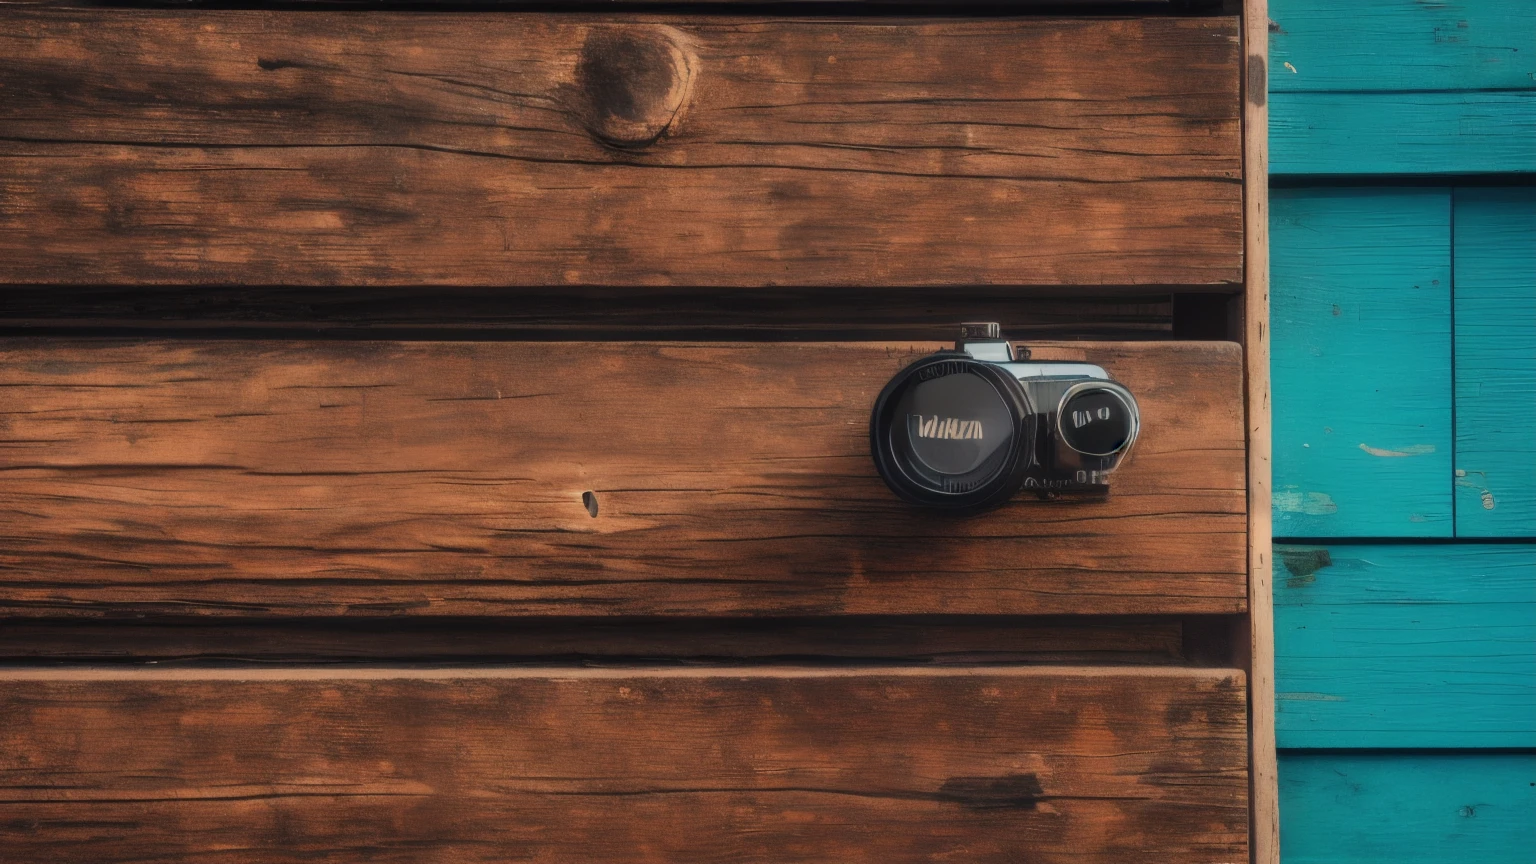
pixel 1484 495
pixel 1415 450
pixel 1307 503
pixel 1303 564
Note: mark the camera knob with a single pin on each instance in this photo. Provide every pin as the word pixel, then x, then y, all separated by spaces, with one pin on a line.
pixel 1097 418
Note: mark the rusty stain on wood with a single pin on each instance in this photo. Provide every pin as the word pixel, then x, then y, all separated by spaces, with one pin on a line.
pixel 1258 81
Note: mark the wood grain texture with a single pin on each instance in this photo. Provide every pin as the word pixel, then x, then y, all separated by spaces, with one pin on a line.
pixel 247 147
pixel 1495 269
pixel 1394 45
pixel 983 764
pixel 1406 646
pixel 1403 133
pixel 1408 808
pixel 1362 362
pixel 1260 648
pixel 293 478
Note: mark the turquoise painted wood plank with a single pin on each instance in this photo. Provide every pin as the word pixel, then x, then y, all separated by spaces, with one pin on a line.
pixel 1402 133
pixel 1402 45
pixel 1495 299
pixel 1361 362
pixel 1404 808
pixel 1405 646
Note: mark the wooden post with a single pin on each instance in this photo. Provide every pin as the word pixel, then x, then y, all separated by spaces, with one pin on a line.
pixel 1264 799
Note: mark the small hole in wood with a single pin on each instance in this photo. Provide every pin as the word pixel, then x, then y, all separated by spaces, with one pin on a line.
pixel 589 500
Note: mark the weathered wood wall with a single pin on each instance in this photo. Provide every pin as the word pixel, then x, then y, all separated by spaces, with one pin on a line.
pixel 1394 646
pixel 1405 392
pixel 1390 808
pixel 1495 361
pixel 1383 87
pixel 331 448
pixel 1361 362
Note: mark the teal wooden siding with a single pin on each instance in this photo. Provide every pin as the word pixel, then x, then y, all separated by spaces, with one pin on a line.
pixel 1405 603
pixel 1400 45
pixel 1401 87
pixel 1405 646
pixel 1402 133
pixel 1367 808
pixel 1361 320
pixel 1495 278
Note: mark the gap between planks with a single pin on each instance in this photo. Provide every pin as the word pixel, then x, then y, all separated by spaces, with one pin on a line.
pixel 524 672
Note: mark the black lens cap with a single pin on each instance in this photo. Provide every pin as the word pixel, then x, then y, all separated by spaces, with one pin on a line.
pixel 1096 420
pixel 952 432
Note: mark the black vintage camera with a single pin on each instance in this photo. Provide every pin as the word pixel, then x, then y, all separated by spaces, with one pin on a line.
pixel 966 429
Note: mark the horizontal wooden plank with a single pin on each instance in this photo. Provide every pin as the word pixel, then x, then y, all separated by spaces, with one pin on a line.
pixel 1406 646
pixel 1407 808
pixel 1495 362
pixel 1376 45
pixel 1402 133
pixel 298 478
pixel 1361 365
pixel 983 764
pixel 951 640
pixel 248 147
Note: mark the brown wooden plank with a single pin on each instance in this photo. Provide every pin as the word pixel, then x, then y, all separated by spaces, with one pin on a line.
pixel 313 478
pixel 249 147
pixel 883 766
pixel 971 639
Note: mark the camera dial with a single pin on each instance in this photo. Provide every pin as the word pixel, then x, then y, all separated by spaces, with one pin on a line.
pixel 968 428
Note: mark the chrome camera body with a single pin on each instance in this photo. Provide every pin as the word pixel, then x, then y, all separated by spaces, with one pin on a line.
pixel 969 428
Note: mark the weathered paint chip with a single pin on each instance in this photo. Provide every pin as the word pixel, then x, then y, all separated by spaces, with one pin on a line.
pixel 1415 450
pixel 1309 503
pixel 1302 564
pixel 1484 495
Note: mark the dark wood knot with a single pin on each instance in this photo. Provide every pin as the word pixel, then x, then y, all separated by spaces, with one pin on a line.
pixel 634 82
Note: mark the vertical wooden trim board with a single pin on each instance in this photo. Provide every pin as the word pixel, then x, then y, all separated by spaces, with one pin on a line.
pixel 1263 773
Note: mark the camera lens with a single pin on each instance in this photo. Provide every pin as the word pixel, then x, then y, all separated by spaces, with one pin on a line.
pixel 1097 419
pixel 949 431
